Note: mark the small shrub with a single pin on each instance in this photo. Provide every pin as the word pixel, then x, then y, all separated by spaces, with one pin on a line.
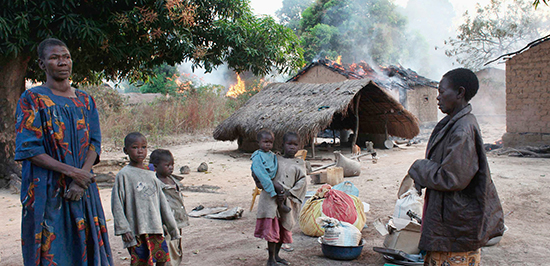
pixel 107 99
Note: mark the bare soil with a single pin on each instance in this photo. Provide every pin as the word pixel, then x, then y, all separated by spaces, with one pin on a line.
pixel 522 184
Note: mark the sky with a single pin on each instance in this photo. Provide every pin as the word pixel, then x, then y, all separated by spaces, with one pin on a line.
pixel 268 7
pixel 435 33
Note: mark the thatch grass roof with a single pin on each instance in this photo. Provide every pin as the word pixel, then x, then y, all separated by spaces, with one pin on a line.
pixel 392 77
pixel 307 109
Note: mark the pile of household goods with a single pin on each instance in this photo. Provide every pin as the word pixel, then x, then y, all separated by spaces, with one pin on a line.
pixel 333 203
pixel 336 216
pixel 402 231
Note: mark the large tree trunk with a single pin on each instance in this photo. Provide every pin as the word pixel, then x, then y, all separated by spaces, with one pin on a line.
pixel 12 84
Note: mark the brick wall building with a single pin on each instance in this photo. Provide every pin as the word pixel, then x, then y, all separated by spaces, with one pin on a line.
pixel 528 97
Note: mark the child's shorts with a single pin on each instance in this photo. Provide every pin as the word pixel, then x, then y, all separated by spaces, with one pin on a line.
pixel 270 230
pixel 149 250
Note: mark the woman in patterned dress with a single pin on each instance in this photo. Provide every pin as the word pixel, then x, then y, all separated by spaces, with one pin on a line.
pixel 58 141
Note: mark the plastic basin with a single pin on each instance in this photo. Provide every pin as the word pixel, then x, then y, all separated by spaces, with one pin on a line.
pixel 341 253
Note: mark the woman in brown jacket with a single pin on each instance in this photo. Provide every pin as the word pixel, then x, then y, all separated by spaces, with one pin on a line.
pixel 462 210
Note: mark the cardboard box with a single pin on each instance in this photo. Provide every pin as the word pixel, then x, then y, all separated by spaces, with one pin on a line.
pixel 406 238
pixel 319 177
pixel 332 176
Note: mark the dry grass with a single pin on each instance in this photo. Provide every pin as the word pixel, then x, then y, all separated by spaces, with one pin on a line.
pixel 197 111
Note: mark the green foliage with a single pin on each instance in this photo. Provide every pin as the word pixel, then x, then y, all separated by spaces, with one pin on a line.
pixel 537 2
pixel 126 39
pixel 255 41
pixel 493 30
pixel 163 80
pixel 291 13
pixel 356 29
pixel 320 40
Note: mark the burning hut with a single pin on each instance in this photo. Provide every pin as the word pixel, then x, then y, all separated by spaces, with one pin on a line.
pixel 528 95
pixel 307 109
pixel 416 93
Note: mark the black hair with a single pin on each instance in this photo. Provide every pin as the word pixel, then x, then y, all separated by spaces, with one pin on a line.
pixel 131 137
pixel 160 155
pixel 463 77
pixel 263 133
pixel 290 134
pixel 47 43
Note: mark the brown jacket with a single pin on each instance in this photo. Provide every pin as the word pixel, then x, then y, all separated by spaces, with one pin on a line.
pixel 462 210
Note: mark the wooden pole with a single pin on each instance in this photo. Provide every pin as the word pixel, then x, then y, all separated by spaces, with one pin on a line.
pixel 354 141
pixel 313 146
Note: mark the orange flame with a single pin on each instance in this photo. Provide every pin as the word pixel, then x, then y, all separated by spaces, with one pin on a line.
pixel 183 86
pixel 236 89
pixel 339 60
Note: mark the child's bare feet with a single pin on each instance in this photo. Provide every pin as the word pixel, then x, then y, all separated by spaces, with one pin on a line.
pixel 271 262
pixel 287 248
pixel 282 261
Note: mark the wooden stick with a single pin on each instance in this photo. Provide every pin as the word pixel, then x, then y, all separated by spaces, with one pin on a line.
pixel 354 141
pixel 255 193
pixel 322 167
pixel 313 147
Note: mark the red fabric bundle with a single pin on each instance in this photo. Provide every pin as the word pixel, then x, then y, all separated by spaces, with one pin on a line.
pixel 339 205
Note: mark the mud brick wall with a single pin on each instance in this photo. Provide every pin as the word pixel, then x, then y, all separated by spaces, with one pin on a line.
pixel 528 97
pixel 321 74
pixel 422 102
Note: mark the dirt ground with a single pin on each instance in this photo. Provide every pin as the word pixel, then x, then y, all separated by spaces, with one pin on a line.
pixel 522 184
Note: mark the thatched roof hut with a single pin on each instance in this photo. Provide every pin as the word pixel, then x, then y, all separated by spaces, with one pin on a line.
pixel 416 93
pixel 307 109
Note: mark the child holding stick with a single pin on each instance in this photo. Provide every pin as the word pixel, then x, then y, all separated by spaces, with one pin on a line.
pixel 273 226
pixel 140 208
pixel 164 165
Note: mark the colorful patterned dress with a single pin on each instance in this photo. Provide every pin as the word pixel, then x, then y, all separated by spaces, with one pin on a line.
pixel 54 230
